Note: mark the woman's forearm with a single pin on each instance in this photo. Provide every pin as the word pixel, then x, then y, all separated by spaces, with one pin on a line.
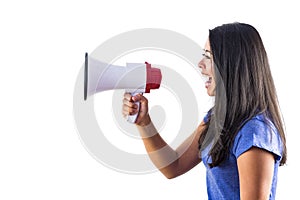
pixel 161 154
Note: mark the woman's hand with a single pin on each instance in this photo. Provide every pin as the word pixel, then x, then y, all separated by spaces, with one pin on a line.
pixel 130 108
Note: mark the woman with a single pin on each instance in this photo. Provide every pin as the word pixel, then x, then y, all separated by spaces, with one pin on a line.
pixel 241 140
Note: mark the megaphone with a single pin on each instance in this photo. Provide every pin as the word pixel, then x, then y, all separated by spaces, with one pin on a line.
pixel 134 78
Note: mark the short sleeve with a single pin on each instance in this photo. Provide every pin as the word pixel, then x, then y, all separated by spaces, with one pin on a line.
pixel 257 133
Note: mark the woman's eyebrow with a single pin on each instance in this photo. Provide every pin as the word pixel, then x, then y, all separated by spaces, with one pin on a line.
pixel 207 50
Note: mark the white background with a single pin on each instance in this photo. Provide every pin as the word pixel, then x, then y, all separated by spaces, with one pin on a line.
pixel 41 48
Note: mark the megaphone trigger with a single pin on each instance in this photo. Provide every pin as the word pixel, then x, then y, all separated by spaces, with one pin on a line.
pixel 132 118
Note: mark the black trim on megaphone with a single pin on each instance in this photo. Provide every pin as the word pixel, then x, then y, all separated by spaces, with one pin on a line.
pixel 85 75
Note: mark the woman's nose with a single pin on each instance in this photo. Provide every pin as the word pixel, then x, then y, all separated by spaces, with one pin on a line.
pixel 201 64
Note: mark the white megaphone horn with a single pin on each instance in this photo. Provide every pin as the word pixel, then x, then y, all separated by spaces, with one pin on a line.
pixel 134 78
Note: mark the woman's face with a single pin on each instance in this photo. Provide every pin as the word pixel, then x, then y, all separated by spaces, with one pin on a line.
pixel 206 66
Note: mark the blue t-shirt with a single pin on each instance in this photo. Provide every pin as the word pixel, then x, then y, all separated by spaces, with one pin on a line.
pixel 223 181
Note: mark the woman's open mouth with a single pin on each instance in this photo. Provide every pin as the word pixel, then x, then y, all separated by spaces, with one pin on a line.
pixel 208 80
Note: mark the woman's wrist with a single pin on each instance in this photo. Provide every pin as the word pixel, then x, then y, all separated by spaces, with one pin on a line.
pixel 147 129
pixel 145 121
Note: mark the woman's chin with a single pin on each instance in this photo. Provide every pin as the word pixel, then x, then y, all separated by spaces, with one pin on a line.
pixel 211 92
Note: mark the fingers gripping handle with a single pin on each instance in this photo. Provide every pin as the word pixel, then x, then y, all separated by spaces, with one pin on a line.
pixel 132 118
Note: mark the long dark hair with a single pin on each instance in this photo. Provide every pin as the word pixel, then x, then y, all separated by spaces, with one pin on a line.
pixel 244 88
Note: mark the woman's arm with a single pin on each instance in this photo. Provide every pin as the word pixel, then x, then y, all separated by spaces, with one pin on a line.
pixel 171 163
pixel 256 168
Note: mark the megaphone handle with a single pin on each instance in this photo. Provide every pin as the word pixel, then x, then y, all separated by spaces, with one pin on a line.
pixel 132 118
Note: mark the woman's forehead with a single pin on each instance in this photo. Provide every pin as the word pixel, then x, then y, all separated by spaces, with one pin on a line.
pixel 207 45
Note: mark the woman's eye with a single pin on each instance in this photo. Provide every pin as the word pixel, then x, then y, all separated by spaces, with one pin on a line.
pixel 206 56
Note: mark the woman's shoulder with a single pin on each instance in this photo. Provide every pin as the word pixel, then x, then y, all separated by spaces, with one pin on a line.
pixel 259 125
